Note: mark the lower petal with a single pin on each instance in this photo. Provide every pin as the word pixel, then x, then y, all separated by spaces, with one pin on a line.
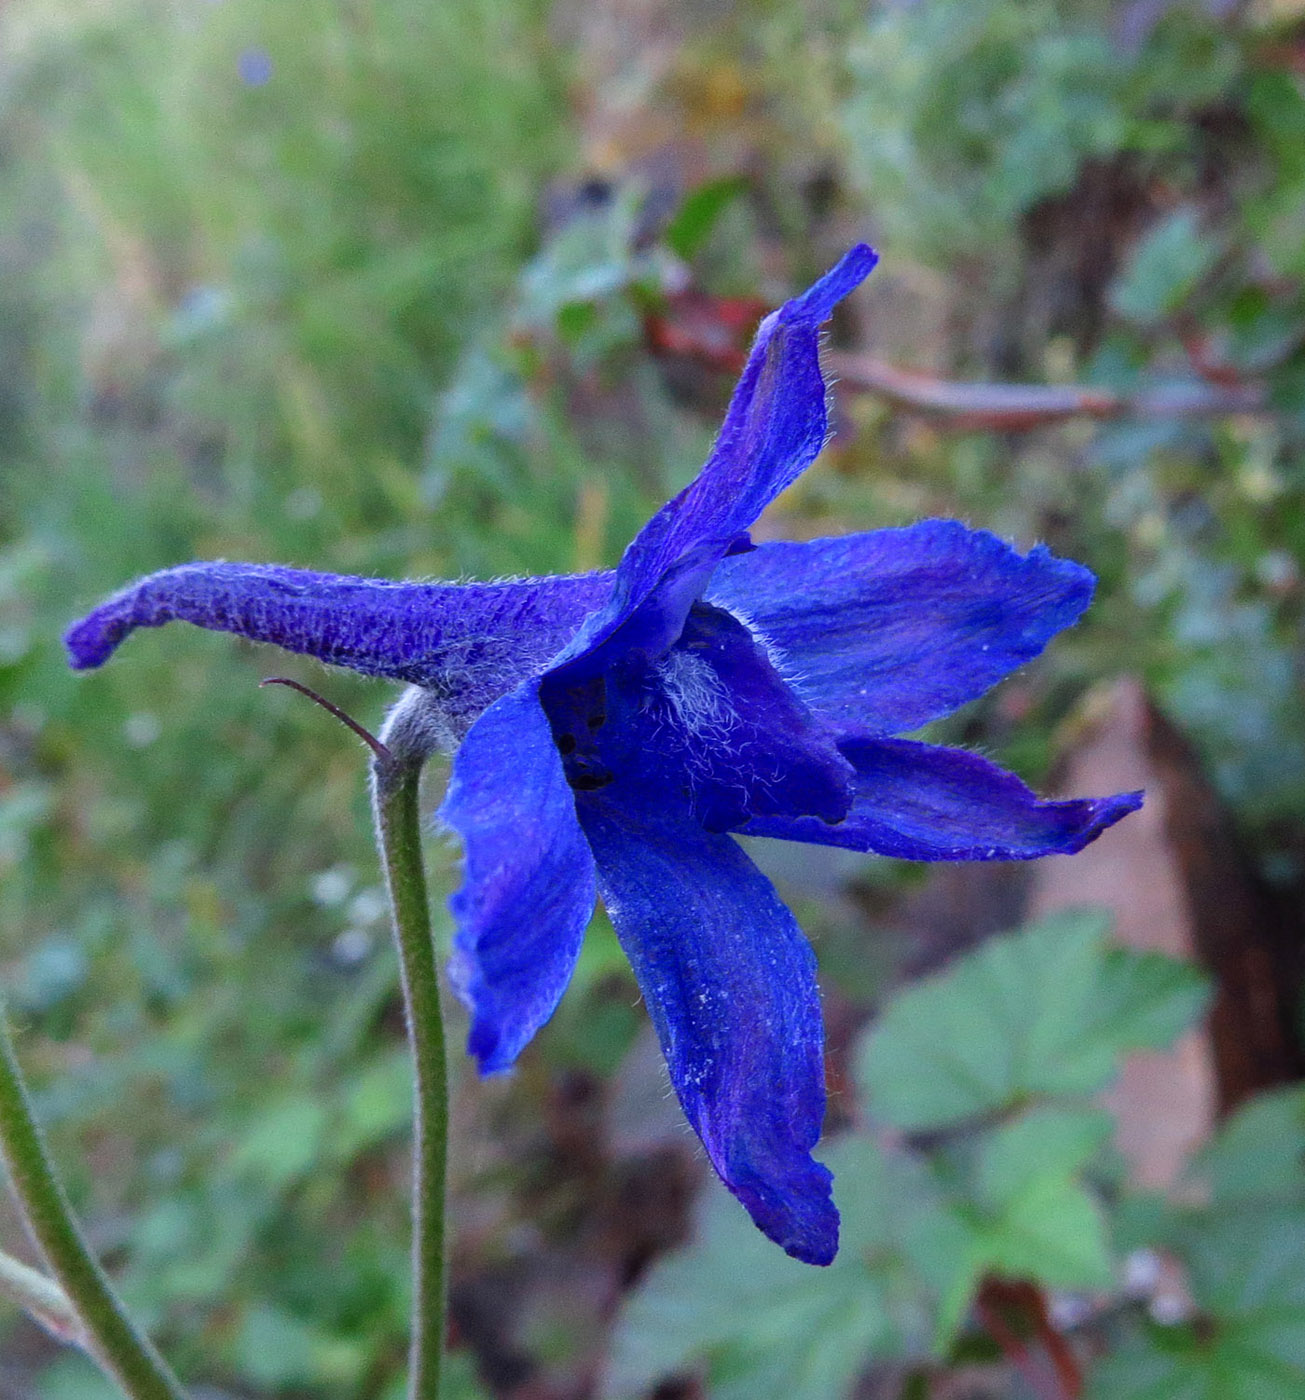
pixel 730 984
pixel 922 802
pixel 528 887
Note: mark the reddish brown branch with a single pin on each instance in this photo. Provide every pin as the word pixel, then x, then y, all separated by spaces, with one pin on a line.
pixel 713 332
pixel 1018 407
pixel 995 1297
pixel 1053 1340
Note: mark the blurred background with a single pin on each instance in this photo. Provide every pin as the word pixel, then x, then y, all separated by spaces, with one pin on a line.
pixel 459 289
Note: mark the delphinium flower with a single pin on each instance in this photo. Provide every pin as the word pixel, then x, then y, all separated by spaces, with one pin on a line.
pixel 611 733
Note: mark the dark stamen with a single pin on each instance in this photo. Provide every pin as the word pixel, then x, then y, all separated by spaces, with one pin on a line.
pixel 590 782
pixel 596 721
pixel 368 738
pixel 566 743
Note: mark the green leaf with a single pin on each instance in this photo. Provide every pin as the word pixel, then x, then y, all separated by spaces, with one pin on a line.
pixel 281 1142
pixel 75 1377
pixel 698 214
pixel 1248 1264
pixel 1023 1210
pixel 1053 1232
pixel 277 1349
pixel 1246 1271
pixel 1043 1012
pixel 1145 1220
pixel 1162 1368
pixel 1165 268
pixel 1260 1152
pixel 764 1327
pixel 1043 1143
pixel 458 1380
pixel 1146 1000
pixel 376 1104
pixel 1244 1258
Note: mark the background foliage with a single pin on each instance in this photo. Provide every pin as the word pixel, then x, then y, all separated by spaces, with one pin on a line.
pixel 395 289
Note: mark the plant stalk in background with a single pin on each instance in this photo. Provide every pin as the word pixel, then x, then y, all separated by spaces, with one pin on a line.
pixel 102 1327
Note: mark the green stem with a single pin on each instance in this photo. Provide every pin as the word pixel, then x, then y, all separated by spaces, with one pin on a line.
pixel 395 779
pixel 111 1337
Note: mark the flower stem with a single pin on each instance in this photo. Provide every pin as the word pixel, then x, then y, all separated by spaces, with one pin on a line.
pixel 395 781
pixel 105 1329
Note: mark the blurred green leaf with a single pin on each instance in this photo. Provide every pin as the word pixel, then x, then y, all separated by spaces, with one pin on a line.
pixel 376 1103
pixel 281 1142
pixel 1019 1209
pixel 1052 1231
pixel 1259 1153
pixel 277 1349
pixel 53 972
pixel 1244 1258
pixel 1145 1001
pixel 75 1377
pixel 1247 1275
pixel 764 1327
pixel 698 214
pixel 1165 268
pixel 1044 1142
pixel 458 1381
pixel 1042 1012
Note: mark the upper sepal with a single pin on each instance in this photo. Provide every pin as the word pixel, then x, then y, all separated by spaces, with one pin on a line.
pixel 774 428
pixel 887 630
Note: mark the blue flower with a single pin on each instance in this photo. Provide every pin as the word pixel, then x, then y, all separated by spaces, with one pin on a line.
pixel 612 731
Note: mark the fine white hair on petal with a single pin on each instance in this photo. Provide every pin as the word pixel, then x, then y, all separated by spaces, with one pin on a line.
pixel 696 694
pixel 777 657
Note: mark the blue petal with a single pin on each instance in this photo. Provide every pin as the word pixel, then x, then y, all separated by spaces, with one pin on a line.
pixel 775 427
pixel 470 641
pixel 711 722
pixel 885 631
pixel 729 982
pixel 921 802
pixel 528 887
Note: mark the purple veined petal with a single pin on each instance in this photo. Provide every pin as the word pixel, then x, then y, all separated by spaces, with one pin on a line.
pixel 774 429
pixel 883 632
pixel 711 723
pixel 528 877
pixel 923 802
pixel 472 641
pixel 729 982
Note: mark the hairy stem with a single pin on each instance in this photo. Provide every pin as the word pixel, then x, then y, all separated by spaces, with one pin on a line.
pixel 395 781
pixel 105 1330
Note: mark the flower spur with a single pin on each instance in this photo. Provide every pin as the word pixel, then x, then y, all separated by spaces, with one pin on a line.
pixel 611 731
